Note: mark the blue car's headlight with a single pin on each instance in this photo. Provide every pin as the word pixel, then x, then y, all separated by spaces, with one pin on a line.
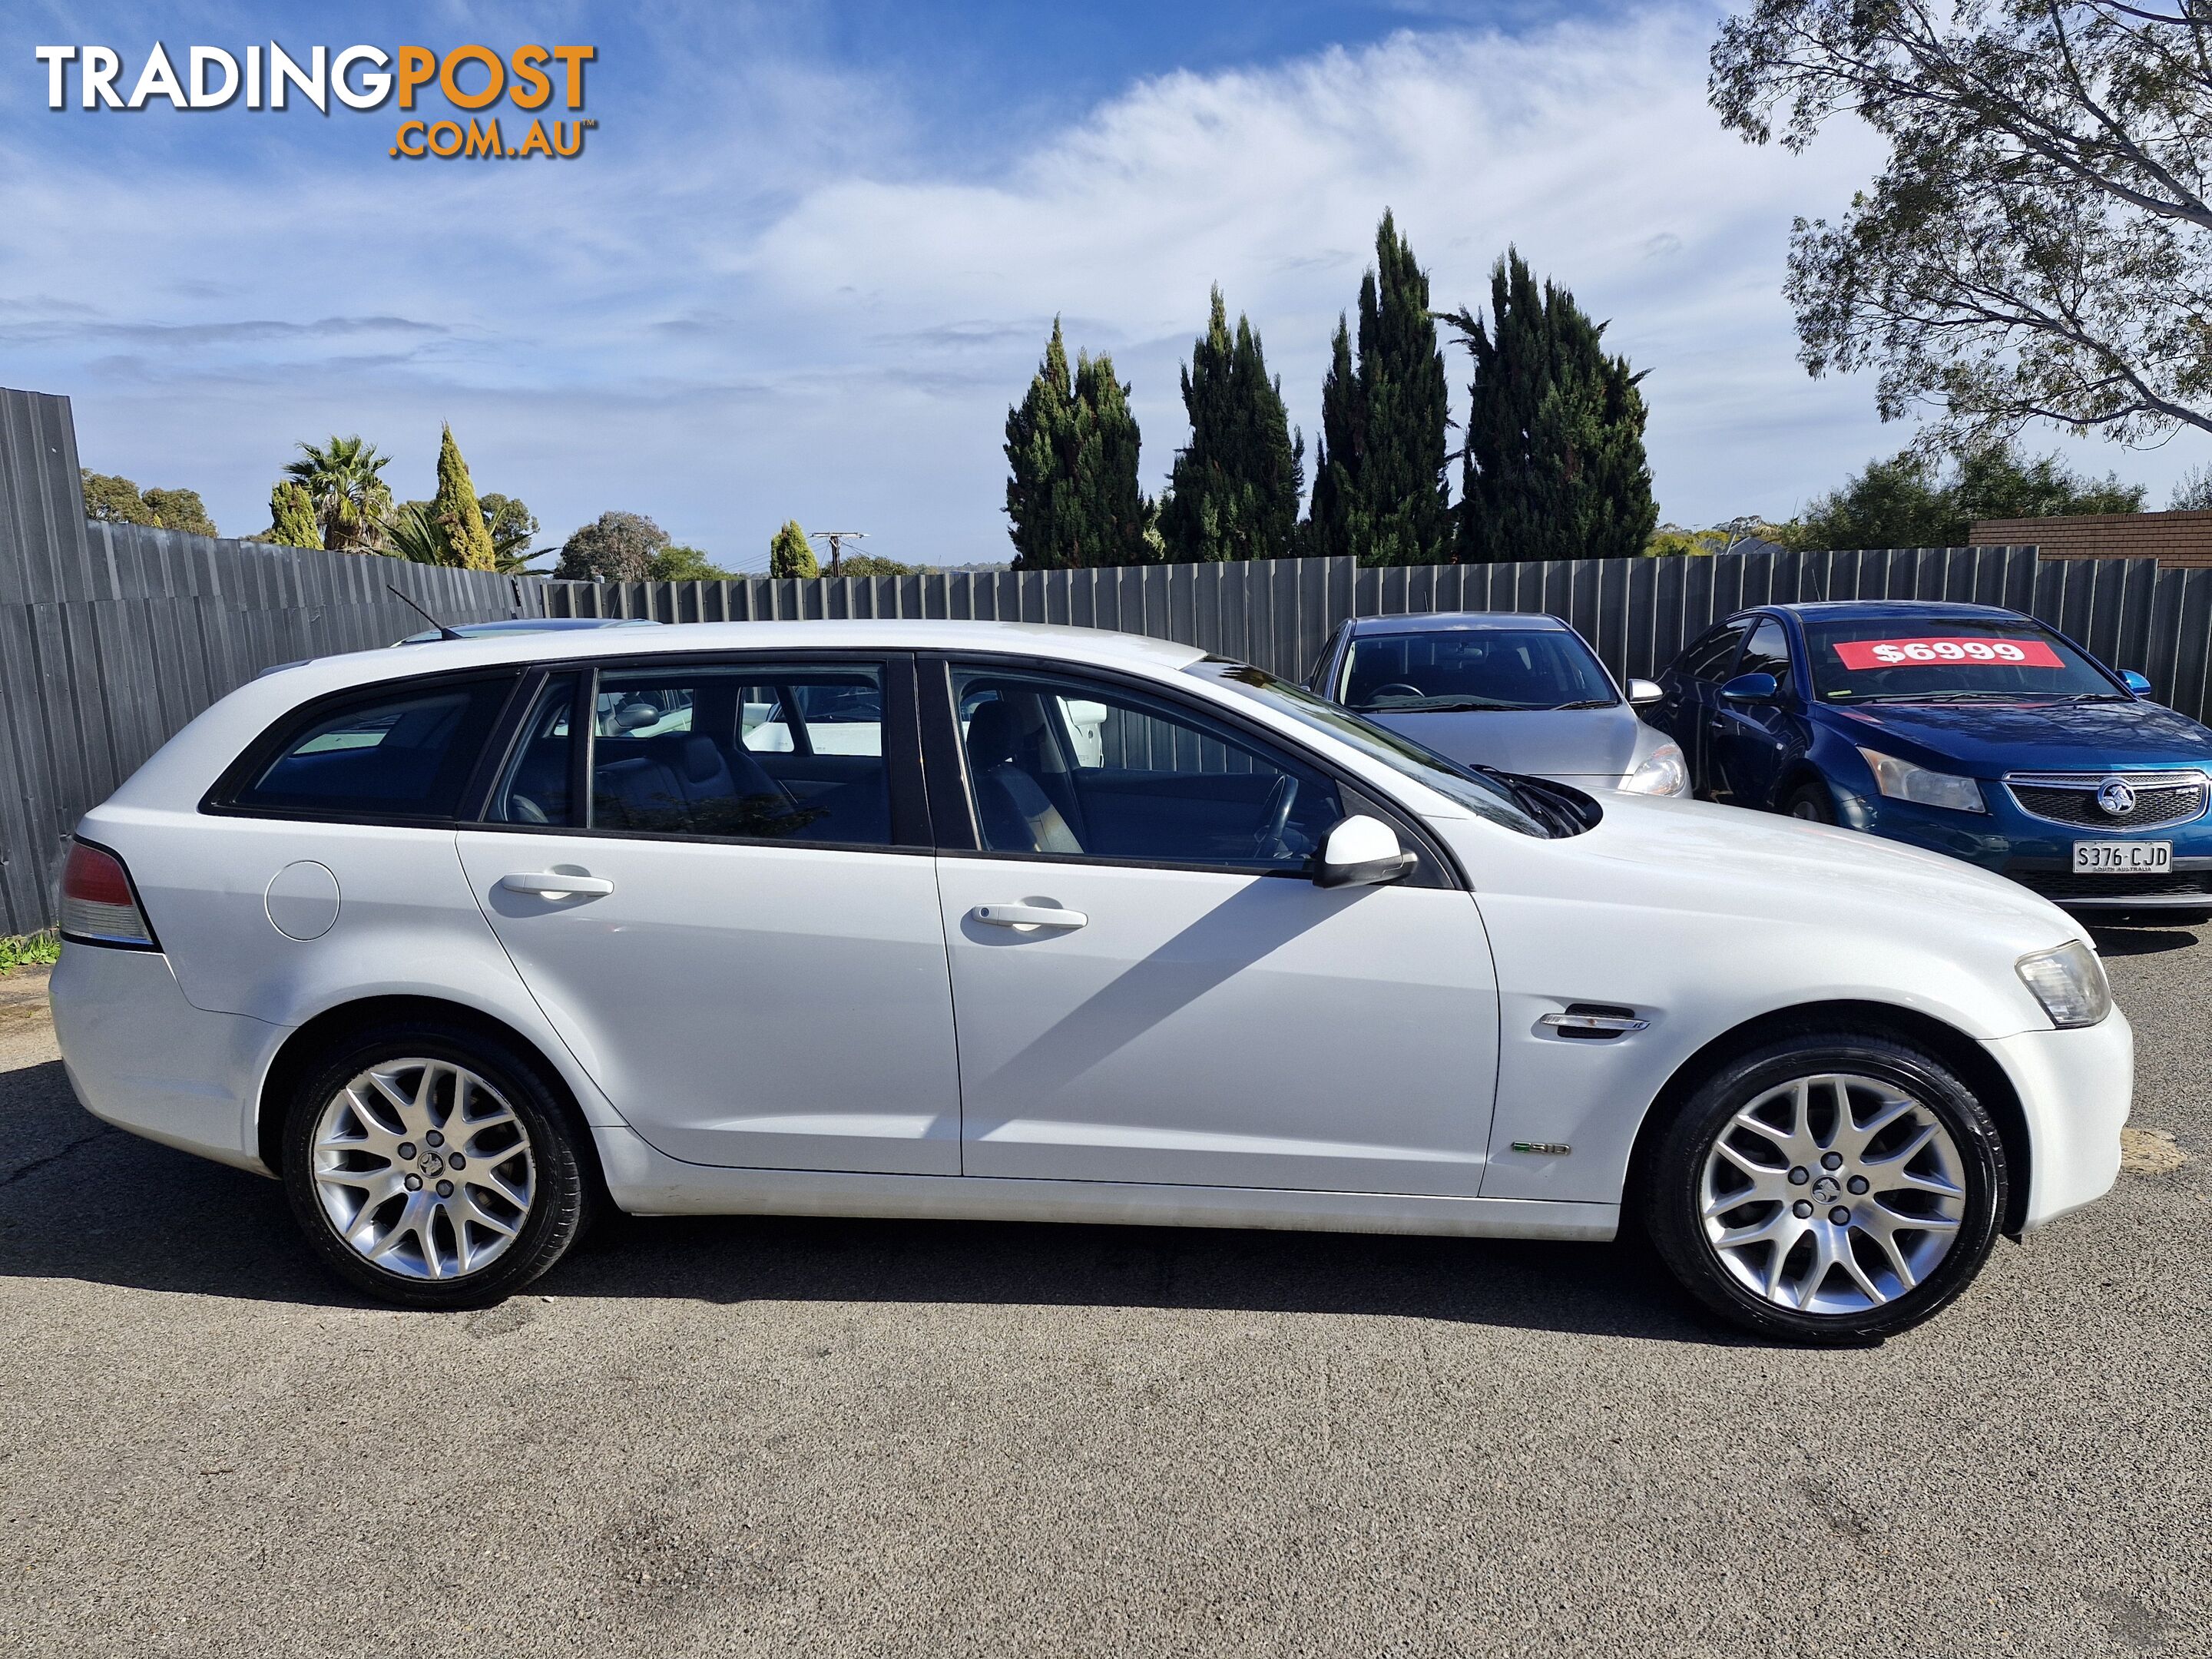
pixel 1901 780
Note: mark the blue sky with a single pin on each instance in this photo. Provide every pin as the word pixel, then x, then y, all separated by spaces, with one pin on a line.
pixel 811 253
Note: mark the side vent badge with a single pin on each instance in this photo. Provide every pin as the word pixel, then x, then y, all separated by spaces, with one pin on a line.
pixel 1543 1148
pixel 1593 1022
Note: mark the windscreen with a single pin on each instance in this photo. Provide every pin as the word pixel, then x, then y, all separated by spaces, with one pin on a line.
pixel 1485 797
pixel 1893 660
pixel 1474 669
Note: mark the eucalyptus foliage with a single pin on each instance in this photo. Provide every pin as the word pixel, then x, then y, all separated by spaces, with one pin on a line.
pixel 2036 246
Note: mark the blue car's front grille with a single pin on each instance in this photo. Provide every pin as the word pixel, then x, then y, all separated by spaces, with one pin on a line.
pixel 2065 887
pixel 2154 800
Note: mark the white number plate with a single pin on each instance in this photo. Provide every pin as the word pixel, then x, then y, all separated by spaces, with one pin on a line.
pixel 2123 858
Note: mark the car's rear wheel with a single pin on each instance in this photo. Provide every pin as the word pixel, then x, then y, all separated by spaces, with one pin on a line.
pixel 1811 801
pixel 434 1166
pixel 1827 1188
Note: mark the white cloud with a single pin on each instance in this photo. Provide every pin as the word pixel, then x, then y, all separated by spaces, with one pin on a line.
pixel 733 313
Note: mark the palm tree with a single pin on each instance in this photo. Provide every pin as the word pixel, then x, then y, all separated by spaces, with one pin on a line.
pixel 412 534
pixel 350 500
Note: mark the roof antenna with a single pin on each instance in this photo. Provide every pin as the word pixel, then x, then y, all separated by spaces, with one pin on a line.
pixel 444 632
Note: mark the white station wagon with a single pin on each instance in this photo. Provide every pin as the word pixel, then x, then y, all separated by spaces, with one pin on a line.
pixel 984 920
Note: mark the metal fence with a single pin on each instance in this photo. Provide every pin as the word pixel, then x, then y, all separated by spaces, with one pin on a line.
pixel 1637 612
pixel 112 636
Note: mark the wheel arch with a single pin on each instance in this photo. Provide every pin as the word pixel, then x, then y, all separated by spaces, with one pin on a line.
pixel 1799 773
pixel 1973 1063
pixel 297 1054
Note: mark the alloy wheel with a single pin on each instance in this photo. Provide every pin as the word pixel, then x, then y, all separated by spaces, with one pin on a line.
pixel 1833 1194
pixel 422 1168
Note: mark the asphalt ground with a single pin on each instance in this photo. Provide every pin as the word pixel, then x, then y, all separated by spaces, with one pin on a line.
pixel 828 1438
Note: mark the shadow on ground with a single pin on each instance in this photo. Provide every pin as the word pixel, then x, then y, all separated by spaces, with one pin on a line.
pixel 2141 940
pixel 100 1207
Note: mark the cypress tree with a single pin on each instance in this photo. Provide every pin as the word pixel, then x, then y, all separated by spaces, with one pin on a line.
pixel 1039 436
pixel 1073 498
pixel 453 510
pixel 790 554
pixel 1383 427
pixel 1402 497
pixel 1554 465
pixel 1234 493
pixel 1327 529
pixel 1113 514
pixel 291 521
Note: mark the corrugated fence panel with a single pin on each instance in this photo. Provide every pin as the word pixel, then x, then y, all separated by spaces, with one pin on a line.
pixel 1638 613
pixel 113 636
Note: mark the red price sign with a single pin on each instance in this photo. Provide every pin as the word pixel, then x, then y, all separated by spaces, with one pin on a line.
pixel 1960 651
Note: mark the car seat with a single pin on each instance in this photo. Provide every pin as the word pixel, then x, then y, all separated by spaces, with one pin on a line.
pixel 1016 815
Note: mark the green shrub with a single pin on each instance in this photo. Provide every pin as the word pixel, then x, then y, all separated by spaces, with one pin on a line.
pixel 32 950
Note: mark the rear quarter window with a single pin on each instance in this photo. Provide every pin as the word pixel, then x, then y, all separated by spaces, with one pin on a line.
pixel 396 751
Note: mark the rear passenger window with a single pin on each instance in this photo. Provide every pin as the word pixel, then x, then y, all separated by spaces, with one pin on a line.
pixel 751 753
pixel 1709 658
pixel 535 788
pixel 396 752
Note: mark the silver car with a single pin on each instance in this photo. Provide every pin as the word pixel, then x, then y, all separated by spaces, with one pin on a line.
pixel 1519 693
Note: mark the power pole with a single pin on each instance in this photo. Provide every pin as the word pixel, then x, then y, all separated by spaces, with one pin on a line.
pixel 836 538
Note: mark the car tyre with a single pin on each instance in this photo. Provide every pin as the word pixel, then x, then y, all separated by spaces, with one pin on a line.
pixel 1811 801
pixel 436 1165
pixel 1877 1176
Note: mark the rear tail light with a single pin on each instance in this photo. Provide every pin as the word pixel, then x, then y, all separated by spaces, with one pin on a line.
pixel 98 904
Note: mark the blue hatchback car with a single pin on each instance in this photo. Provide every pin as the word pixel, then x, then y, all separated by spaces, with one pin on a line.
pixel 1961 728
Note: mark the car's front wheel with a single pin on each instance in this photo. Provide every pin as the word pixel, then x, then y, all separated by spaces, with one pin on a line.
pixel 1812 802
pixel 434 1166
pixel 1827 1188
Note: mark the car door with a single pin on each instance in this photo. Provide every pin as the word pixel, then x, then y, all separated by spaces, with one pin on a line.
pixel 732 918
pixel 1751 742
pixel 1692 686
pixel 1149 986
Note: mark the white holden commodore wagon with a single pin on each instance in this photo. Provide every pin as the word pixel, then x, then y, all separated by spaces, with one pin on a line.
pixel 982 921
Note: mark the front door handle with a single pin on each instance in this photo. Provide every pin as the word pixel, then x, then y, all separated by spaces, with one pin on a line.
pixel 1029 916
pixel 556 883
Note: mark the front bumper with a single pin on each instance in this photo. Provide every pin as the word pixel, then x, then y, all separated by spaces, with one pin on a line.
pixel 2075 1088
pixel 2040 854
pixel 141 1057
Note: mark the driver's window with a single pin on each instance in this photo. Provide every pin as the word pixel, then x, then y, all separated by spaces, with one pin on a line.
pixel 1074 768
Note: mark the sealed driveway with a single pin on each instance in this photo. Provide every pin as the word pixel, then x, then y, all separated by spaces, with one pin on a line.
pixel 799 1437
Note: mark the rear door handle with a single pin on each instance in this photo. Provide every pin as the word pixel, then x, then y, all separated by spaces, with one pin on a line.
pixel 1029 916
pixel 554 884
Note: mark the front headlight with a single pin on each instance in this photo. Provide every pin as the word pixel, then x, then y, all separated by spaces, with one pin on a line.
pixel 1903 781
pixel 1663 772
pixel 2071 984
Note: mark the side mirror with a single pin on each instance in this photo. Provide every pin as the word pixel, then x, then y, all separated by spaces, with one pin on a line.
pixel 1362 852
pixel 2138 684
pixel 1643 693
pixel 1750 688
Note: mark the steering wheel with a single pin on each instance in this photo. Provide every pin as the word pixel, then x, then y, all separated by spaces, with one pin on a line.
pixel 1395 685
pixel 1275 819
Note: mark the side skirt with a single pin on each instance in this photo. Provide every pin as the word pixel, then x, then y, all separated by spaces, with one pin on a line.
pixel 644 1182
